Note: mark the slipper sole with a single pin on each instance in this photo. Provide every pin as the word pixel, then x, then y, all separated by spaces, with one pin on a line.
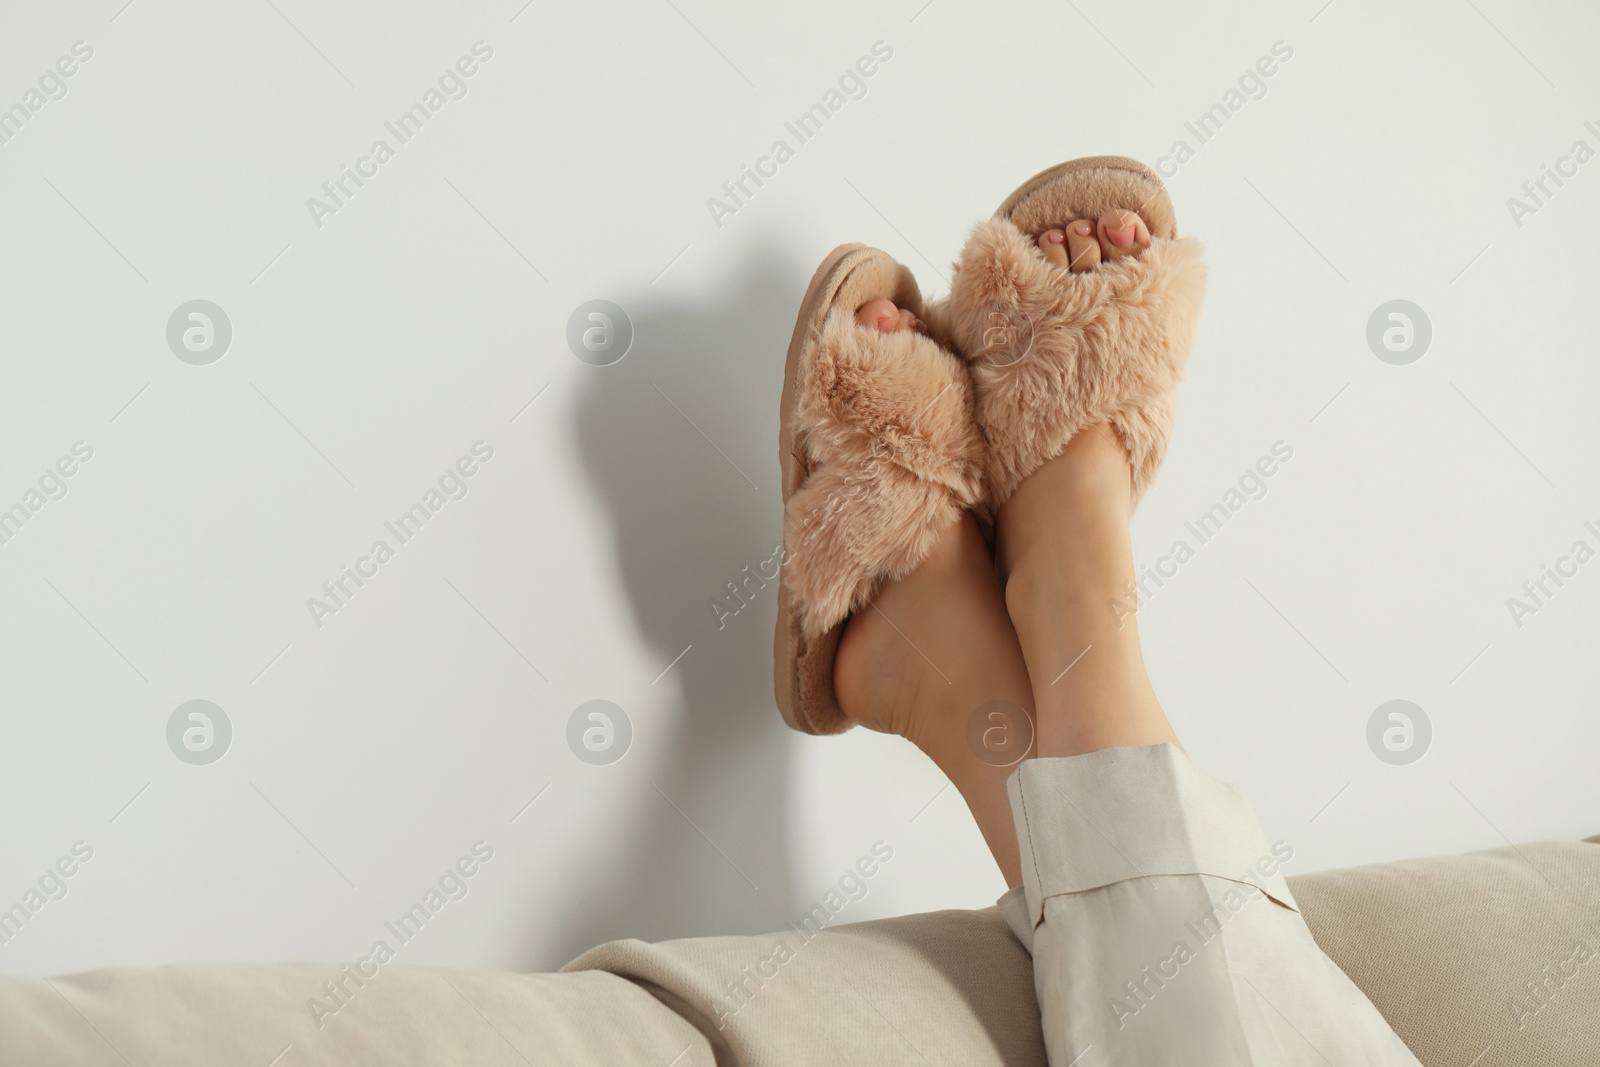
pixel 803 675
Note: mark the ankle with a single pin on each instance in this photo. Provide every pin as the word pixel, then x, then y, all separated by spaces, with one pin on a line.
pixel 1080 571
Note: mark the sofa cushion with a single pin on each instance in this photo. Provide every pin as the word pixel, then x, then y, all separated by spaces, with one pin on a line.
pixel 1492 958
pixel 204 1015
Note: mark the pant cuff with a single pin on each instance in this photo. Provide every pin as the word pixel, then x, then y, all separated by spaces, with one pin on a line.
pixel 1136 812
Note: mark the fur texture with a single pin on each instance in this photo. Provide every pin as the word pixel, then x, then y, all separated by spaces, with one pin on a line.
pixel 1052 352
pixel 894 456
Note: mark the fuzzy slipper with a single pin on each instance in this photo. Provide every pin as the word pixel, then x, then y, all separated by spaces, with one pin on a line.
pixel 1053 352
pixel 880 454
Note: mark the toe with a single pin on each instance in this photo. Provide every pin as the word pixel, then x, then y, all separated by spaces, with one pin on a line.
pixel 908 321
pixel 1122 233
pixel 1053 243
pixel 1082 246
pixel 880 315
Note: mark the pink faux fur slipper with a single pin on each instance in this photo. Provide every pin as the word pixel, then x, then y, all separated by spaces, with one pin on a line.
pixel 880 453
pixel 1053 352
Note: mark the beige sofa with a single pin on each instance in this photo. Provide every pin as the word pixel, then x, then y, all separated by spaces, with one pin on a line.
pixel 1485 960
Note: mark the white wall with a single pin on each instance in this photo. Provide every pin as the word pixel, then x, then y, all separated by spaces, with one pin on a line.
pixel 370 352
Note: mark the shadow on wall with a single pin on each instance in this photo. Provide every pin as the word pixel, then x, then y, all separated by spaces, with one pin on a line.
pixel 679 440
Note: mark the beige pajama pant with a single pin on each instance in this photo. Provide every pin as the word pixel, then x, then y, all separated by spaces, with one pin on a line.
pixel 1161 928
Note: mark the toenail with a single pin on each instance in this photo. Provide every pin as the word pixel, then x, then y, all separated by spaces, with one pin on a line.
pixel 1081 229
pixel 1055 237
pixel 1121 237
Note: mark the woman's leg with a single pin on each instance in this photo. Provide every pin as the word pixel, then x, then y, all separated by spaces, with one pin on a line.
pixel 1161 926
pixel 925 655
